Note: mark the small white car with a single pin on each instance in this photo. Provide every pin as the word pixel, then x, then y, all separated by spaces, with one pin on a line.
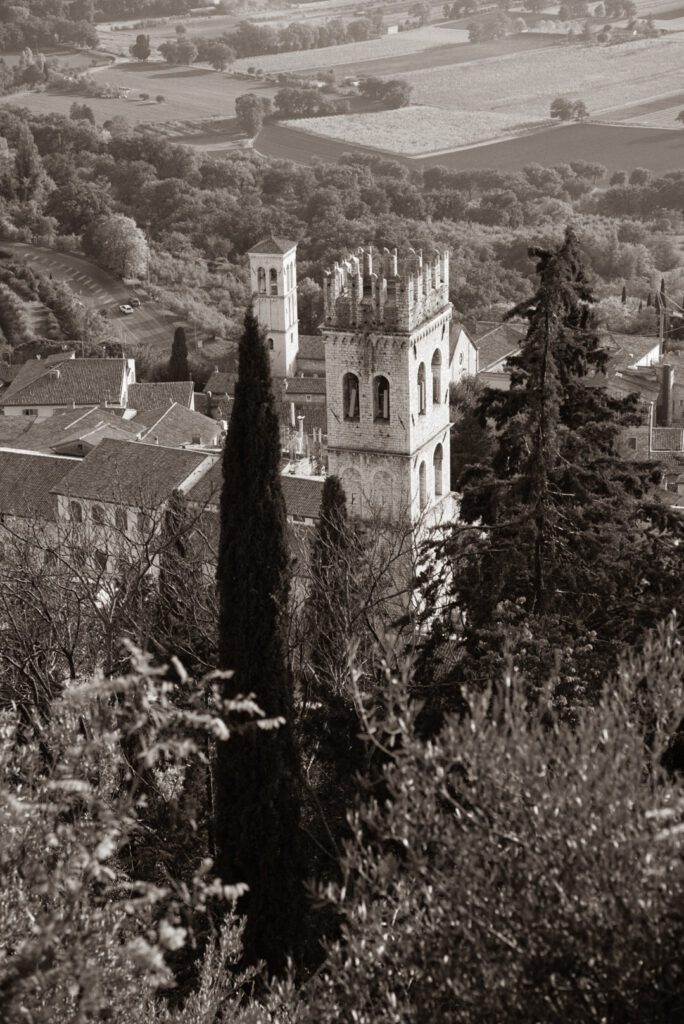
pixel 125 308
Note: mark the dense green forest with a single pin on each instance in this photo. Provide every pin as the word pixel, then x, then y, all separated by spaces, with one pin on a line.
pixel 452 797
pixel 195 210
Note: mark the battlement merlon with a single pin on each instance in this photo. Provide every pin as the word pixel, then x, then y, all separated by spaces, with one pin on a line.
pixel 380 290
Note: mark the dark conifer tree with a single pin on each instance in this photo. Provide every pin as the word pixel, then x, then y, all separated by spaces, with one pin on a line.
pixel 178 363
pixel 572 557
pixel 257 808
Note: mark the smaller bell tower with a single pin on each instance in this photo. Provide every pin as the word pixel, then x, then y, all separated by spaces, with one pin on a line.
pixel 273 282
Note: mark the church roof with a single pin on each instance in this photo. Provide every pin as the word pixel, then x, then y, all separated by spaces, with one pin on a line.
pixel 273 244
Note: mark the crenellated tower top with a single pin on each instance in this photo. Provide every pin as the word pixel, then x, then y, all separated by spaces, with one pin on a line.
pixel 379 290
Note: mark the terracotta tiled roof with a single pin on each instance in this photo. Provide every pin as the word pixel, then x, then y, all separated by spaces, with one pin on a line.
pixel 302 495
pixel 220 383
pixel 455 329
pixel 137 475
pixel 156 395
pixel 178 425
pixel 67 382
pixel 303 386
pixel 272 244
pixel 626 349
pixel 64 427
pixel 26 482
pixel 495 342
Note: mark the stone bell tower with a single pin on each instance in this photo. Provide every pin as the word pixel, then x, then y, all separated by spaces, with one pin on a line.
pixel 386 332
pixel 273 282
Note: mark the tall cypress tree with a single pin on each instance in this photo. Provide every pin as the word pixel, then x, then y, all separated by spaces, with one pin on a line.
pixel 572 555
pixel 178 363
pixel 257 800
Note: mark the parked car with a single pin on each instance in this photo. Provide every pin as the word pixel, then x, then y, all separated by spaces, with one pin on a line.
pixel 134 302
pixel 125 308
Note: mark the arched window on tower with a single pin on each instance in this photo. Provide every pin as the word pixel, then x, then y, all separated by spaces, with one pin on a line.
pixel 350 392
pixel 261 280
pixel 270 344
pixel 422 485
pixel 422 393
pixel 273 277
pixel 437 463
pixel 381 399
pixel 437 377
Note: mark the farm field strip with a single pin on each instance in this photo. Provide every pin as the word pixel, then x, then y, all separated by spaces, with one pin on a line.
pixel 189 94
pixel 605 77
pixel 371 49
pixel 616 147
pixel 412 131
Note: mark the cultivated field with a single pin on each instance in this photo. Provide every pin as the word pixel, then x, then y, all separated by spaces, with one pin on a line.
pixel 412 130
pixel 605 77
pixel 415 41
pixel 616 147
pixel 190 94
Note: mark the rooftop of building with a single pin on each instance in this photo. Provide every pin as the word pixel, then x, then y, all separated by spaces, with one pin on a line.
pixel 302 495
pixel 27 480
pixel 273 245
pixel 157 394
pixel 495 341
pixel 627 349
pixel 178 425
pixel 220 383
pixel 129 473
pixel 66 381
pixel 64 428
pixel 303 386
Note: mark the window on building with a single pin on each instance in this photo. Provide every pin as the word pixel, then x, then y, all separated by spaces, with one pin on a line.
pixel 98 515
pixel 633 443
pixel 381 399
pixel 76 511
pixel 101 560
pixel 50 557
pixel 422 485
pixel 270 344
pixel 350 389
pixel 422 393
pixel 78 556
pixel 144 524
pixel 121 519
pixel 437 377
pixel 30 412
pixel 273 277
pixel 437 464
pixel 261 280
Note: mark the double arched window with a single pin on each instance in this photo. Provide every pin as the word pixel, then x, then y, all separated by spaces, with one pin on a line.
pixel 261 281
pixel 350 397
pixel 437 377
pixel 381 399
pixel 422 394
pixel 273 277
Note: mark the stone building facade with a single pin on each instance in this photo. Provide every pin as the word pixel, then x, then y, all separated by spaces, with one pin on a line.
pixel 386 331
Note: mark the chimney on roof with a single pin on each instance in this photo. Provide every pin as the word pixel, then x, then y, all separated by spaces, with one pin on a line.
pixel 54 372
pixel 196 439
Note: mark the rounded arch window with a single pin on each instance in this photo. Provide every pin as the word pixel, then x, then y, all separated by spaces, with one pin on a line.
pixel 350 397
pixel 261 280
pixel 270 344
pixel 422 392
pixel 437 377
pixel 98 515
pixel 381 399
pixel 438 460
pixel 422 485
pixel 76 511
pixel 273 278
